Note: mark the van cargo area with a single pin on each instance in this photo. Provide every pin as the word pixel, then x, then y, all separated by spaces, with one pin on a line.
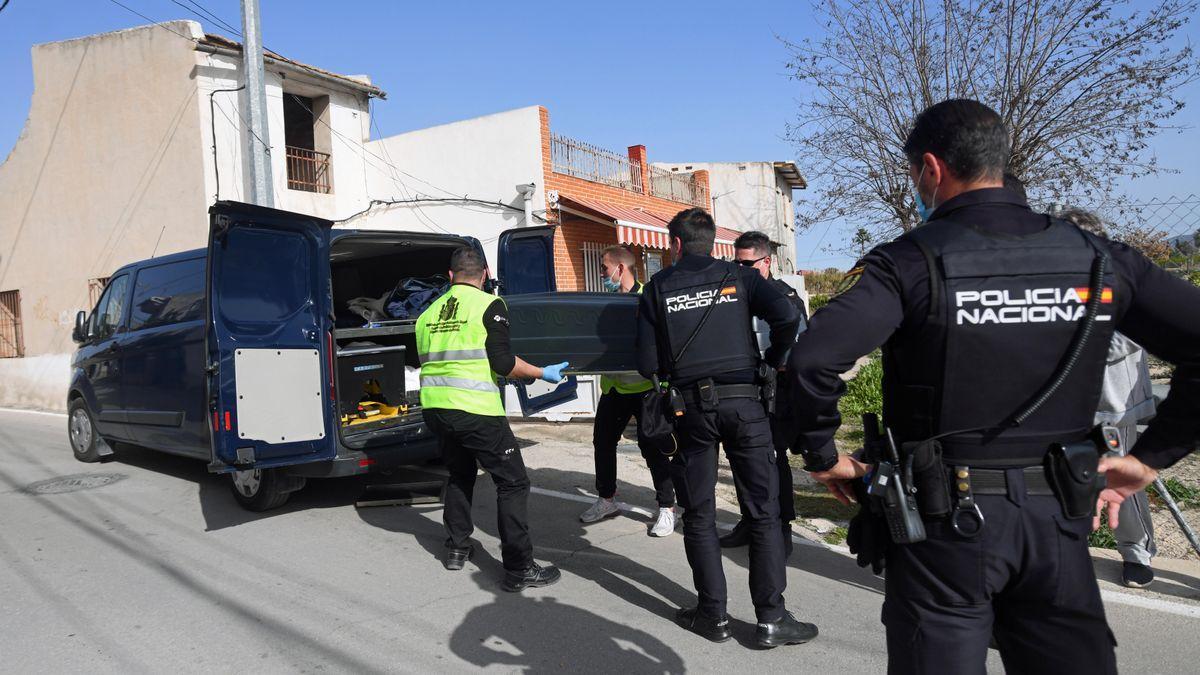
pixel 381 282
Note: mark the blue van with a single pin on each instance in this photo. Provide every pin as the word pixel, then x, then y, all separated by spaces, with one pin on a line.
pixel 246 355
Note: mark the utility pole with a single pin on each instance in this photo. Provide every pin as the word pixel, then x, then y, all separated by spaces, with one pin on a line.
pixel 258 143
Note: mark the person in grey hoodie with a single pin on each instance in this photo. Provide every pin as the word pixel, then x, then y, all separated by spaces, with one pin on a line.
pixel 1126 400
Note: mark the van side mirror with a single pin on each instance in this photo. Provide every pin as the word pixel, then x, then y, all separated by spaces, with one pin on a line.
pixel 79 334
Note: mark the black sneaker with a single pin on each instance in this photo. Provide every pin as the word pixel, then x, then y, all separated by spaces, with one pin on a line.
pixel 786 631
pixel 737 537
pixel 708 628
pixel 455 558
pixel 535 576
pixel 1136 575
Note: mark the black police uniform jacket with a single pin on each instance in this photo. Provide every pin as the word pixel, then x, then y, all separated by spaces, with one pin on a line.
pixel 674 303
pixel 973 326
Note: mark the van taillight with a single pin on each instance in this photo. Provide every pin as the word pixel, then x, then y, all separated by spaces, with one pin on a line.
pixel 228 422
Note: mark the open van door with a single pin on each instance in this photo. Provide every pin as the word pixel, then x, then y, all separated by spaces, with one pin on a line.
pixel 270 370
pixel 524 267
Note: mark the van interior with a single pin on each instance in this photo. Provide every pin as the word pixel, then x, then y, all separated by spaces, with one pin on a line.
pixel 381 282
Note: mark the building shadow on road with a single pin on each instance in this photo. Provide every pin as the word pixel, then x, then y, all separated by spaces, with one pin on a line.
pixel 534 632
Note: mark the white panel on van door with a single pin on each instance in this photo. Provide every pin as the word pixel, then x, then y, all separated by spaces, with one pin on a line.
pixel 279 395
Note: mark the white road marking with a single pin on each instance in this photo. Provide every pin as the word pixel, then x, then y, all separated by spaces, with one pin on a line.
pixel 34 412
pixel 1156 604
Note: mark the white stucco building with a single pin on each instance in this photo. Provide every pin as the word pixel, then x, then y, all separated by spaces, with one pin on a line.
pixel 754 196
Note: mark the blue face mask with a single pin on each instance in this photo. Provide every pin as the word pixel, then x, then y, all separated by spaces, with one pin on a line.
pixel 610 285
pixel 922 210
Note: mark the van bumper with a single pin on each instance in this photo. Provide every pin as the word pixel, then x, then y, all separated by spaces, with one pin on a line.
pixel 380 458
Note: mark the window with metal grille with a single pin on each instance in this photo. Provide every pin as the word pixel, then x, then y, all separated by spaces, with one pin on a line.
pixel 95 290
pixel 12 342
pixel 591 266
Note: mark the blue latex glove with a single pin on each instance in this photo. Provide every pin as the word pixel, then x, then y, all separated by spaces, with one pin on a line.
pixel 554 374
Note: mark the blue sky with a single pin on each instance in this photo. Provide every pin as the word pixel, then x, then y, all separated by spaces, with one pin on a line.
pixel 694 81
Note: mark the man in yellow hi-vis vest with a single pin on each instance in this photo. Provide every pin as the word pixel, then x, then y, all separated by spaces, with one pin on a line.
pixel 620 400
pixel 462 341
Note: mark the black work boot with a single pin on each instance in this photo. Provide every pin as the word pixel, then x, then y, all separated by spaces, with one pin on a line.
pixel 455 558
pixel 708 628
pixel 738 536
pixel 535 576
pixel 785 631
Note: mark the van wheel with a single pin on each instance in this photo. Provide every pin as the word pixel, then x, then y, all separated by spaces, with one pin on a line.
pixel 82 432
pixel 263 489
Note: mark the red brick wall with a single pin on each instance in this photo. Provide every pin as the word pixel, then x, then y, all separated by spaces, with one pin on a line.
pixel 570 237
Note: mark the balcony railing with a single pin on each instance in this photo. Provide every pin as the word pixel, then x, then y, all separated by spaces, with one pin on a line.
pixel 583 160
pixel 677 187
pixel 308 170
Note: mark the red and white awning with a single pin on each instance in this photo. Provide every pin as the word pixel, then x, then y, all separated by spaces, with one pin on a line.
pixel 642 228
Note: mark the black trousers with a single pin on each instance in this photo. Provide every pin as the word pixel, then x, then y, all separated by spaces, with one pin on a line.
pixel 467 439
pixel 1027 578
pixel 740 424
pixel 613 413
pixel 782 435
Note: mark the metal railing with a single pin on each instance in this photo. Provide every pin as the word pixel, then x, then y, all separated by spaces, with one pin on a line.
pixel 677 187
pixel 308 170
pixel 12 339
pixel 583 160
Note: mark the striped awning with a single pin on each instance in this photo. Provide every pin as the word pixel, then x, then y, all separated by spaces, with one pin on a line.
pixel 642 228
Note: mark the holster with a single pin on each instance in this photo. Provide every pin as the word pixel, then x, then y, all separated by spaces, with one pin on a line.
pixel 929 477
pixel 1073 473
pixel 768 379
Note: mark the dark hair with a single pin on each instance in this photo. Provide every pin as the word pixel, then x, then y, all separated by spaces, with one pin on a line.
pixel 467 263
pixel 695 229
pixel 621 254
pixel 754 241
pixel 1011 182
pixel 967 135
pixel 1084 220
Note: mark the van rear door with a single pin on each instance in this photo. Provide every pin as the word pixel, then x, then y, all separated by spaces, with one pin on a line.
pixel 525 266
pixel 270 369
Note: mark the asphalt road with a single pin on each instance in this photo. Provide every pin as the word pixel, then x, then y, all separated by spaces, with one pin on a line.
pixel 159 570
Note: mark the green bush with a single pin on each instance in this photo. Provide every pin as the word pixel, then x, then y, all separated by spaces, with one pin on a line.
pixel 1102 538
pixel 817 301
pixel 864 393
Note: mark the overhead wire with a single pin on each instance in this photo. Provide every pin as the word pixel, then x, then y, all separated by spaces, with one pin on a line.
pixel 161 25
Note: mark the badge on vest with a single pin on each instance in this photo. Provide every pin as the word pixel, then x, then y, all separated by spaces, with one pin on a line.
pixel 700 299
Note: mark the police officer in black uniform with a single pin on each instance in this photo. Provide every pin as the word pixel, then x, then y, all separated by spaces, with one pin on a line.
pixel 694 330
pixel 753 249
pixel 979 312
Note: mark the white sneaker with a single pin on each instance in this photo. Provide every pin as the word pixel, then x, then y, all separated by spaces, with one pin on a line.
pixel 603 508
pixel 665 524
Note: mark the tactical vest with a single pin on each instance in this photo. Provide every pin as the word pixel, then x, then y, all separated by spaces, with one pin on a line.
pixel 726 342
pixel 452 346
pixel 1004 311
pixel 626 384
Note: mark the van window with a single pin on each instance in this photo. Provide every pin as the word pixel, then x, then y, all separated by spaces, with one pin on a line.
pixel 166 294
pixel 110 311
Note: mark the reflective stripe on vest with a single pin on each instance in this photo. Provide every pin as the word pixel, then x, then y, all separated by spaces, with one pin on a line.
pixel 626 384
pixel 451 345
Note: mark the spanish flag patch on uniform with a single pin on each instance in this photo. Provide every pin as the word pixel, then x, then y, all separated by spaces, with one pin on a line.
pixel 849 279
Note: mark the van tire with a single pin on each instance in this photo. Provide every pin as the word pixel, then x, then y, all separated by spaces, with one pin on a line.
pixel 263 489
pixel 81 431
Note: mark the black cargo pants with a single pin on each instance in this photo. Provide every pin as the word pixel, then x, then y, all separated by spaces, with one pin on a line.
pixel 613 413
pixel 740 424
pixel 467 439
pixel 1027 578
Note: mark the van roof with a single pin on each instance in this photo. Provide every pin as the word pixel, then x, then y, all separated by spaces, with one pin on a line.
pixel 164 259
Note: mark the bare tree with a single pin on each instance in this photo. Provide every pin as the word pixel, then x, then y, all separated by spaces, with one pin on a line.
pixel 1082 84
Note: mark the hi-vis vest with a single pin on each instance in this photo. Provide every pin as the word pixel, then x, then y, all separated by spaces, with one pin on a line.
pixel 626 384
pixel 451 343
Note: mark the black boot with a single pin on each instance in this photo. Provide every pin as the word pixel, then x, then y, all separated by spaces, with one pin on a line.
pixel 535 576
pixel 738 536
pixel 708 628
pixel 786 631
pixel 455 558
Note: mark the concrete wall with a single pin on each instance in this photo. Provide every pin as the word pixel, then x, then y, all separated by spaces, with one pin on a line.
pixel 751 196
pixel 107 170
pixel 484 158
pixel 348 127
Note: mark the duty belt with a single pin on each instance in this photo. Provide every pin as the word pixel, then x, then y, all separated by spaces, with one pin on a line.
pixel 705 395
pixel 967 482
